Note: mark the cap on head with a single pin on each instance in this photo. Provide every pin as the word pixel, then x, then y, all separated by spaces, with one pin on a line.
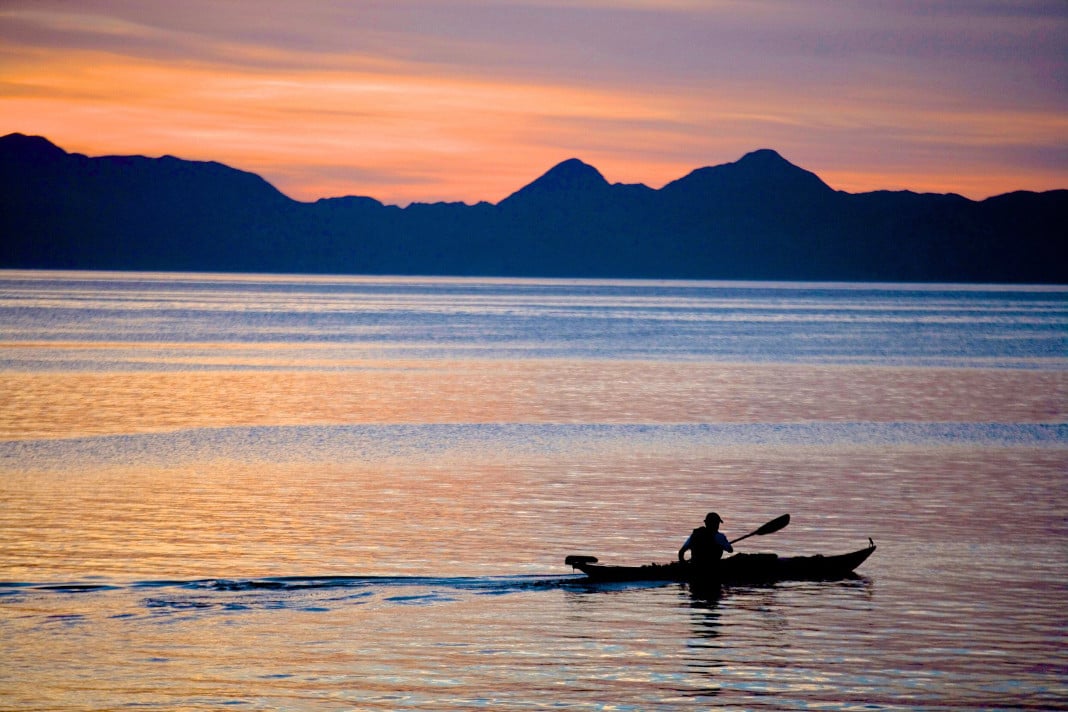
pixel 712 517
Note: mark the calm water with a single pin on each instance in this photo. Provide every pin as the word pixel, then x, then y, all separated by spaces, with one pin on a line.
pixel 332 493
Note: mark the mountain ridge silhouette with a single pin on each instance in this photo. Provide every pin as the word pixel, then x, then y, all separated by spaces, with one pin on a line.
pixel 760 217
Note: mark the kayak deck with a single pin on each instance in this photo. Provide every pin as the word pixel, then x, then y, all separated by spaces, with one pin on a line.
pixel 740 568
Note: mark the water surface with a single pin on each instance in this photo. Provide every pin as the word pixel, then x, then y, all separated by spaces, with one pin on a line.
pixel 322 493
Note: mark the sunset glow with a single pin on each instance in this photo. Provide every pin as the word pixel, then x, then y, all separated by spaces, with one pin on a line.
pixel 426 100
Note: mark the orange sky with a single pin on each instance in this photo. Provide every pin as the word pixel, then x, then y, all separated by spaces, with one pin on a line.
pixel 425 100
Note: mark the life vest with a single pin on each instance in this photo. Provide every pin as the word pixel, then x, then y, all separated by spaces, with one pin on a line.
pixel 703 546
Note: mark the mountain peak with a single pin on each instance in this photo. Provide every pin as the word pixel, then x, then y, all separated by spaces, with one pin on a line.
pixel 769 163
pixel 766 156
pixel 29 148
pixel 570 176
pixel 763 171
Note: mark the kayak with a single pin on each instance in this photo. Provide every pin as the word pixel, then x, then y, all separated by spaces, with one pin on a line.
pixel 737 569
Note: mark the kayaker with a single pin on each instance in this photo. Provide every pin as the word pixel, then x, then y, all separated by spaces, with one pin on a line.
pixel 706 544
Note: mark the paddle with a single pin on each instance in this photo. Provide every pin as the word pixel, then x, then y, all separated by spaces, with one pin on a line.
pixel 770 528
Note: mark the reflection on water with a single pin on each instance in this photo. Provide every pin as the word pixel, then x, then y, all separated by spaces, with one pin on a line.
pixel 58 405
pixel 333 493
pixel 962 604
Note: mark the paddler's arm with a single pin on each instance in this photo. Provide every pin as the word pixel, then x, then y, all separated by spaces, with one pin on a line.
pixel 724 543
pixel 685 548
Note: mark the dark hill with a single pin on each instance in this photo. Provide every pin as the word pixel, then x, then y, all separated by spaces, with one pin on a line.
pixel 565 181
pixel 756 177
pixel 758 218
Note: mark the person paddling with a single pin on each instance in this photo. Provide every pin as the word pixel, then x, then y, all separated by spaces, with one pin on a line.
pixel 706 544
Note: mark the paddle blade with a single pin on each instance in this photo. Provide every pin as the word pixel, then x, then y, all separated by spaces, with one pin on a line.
pixel 773 526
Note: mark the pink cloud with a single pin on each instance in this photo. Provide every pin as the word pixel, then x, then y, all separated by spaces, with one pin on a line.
pixel 435 100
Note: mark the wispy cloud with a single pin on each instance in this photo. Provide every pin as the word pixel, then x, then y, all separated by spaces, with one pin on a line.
pixel 447 99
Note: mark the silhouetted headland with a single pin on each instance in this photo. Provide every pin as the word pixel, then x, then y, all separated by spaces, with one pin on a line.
pixel 758 218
